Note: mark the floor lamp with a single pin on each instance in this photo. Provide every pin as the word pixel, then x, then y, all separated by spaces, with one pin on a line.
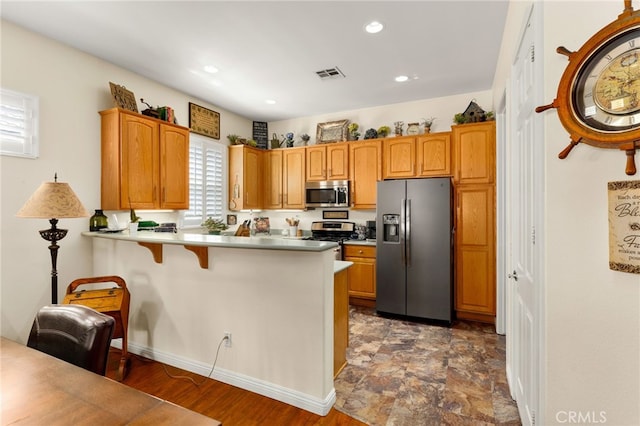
pixel 53 200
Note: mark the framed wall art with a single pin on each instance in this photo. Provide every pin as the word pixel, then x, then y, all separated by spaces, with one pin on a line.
pixel 123 98
pixel 204 121
pixel 624 226
pixel 332 131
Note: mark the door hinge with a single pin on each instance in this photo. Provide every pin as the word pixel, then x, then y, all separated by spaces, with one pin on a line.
pixel 533 418
pixel 532 53
pixel 533 235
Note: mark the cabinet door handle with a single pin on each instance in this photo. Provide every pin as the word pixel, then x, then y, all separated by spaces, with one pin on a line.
pixel 513 275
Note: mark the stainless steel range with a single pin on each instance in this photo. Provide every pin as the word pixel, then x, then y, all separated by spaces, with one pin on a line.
pixel 332 231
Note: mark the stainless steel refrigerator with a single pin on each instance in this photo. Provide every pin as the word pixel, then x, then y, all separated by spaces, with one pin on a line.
pixel 414 244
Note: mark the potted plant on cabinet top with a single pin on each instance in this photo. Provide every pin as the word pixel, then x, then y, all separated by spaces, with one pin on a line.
pixel 383 131
pixel 353 131
pixel 215 226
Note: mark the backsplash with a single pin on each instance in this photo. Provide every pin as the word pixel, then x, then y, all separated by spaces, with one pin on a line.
pixel 276 217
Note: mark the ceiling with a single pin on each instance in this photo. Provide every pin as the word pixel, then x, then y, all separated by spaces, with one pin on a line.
pixel 271 50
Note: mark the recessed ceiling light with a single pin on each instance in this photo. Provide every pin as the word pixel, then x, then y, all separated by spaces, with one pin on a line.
pixel 374 27
pixel 270 101
pixel 402 78
pixel 211 69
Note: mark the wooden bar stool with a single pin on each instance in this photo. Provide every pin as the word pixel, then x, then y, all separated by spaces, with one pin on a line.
pixel 110 301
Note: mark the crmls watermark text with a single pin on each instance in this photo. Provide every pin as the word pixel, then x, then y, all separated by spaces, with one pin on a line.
pixel 581 417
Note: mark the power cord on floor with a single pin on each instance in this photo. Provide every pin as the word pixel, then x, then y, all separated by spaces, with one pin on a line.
pixel 164 367
pixel 173 376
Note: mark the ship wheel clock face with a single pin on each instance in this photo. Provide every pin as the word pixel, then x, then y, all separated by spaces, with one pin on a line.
pixel 606 94
pixel 598 99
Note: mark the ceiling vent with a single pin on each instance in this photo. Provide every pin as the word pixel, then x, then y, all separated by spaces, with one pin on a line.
pixel 330 74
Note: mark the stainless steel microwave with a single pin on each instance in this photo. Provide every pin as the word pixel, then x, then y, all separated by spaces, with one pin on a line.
pixel 328 193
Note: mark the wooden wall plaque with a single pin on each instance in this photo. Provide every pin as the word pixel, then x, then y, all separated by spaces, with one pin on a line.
pixel 204 121
pixel 624 226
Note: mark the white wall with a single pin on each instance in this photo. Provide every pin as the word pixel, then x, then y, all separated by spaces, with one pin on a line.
pixel 442 108
pixel 592 322
pixel 72 87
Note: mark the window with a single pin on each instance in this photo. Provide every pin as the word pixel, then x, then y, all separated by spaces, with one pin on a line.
pixel 207 180
pixel 18 124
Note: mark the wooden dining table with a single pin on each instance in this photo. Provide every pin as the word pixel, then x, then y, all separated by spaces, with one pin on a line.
pixel 38 389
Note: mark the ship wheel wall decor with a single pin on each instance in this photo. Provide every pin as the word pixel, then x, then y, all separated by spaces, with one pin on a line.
pixel 598 100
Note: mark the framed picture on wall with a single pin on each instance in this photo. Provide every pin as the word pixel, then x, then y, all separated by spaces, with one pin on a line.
pixel 332 131
pixel 204 121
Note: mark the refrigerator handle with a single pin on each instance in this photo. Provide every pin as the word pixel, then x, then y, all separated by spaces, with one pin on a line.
pixel 402 231
pixel 407 232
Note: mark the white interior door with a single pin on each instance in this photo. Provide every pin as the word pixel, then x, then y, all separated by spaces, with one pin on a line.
pixel 524 197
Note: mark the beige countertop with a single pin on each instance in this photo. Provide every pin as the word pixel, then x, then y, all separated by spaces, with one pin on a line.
pixel 183 238
pixel 360 242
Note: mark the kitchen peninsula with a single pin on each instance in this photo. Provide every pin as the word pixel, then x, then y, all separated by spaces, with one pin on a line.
pixel 274 296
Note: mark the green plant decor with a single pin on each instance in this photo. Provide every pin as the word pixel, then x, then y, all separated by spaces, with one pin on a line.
pixel 133 217
pixel 459 118
pixel 383 131
pixel 214 225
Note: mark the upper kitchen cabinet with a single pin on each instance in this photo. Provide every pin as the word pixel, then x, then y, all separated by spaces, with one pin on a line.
pixel 145 162
pixel 245 176
pixel 399 157
pixel 327 162
pixel 284 178
pixel 293 173
pixel 422 156
pixel 433 153
pixel 273 196
pixel 474 148
pixel 365 170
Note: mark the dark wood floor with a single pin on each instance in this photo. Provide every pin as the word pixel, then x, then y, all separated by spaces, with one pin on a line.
pixel 228 404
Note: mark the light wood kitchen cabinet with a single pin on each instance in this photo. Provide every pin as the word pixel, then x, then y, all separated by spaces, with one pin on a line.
pixel 327 162
pixel 475 240
pixel 273 196
pixel 475 252
pixel 145 162
pixel 293 173
pixel 362 274
pixel 399 157
pixel 421 156
pixel 365 170
pixel 340 320
pixel 245 177
pixel 433 154
pixel 284 178
pixel 474 151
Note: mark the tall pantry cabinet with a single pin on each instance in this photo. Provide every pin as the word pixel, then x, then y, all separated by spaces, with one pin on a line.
pixel 145 162
pixel 474 152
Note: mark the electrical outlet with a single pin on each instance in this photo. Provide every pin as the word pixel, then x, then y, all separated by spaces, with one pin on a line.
pixel 227 340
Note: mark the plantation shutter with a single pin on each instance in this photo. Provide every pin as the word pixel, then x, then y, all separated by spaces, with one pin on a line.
pixel 206 181
pixel 18 124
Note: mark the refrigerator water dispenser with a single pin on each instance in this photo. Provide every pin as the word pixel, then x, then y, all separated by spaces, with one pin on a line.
pixel 391 228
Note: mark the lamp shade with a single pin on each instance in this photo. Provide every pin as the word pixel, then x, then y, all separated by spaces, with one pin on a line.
pixel 53 200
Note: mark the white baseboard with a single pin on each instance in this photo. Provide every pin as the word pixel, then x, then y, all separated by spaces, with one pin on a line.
pixel 271 390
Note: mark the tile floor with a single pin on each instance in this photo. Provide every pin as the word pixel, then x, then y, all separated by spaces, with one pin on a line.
pixel 408 373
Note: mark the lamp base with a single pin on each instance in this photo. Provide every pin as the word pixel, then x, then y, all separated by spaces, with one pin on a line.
pixel 53 235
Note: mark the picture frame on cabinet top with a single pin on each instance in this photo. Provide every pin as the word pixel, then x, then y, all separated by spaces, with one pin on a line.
pixel 332 131
pixel 123 98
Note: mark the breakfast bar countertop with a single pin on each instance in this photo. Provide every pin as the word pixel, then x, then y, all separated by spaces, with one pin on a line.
pixel 207 240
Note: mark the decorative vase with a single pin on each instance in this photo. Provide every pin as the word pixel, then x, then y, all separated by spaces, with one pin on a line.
pixel 98 221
